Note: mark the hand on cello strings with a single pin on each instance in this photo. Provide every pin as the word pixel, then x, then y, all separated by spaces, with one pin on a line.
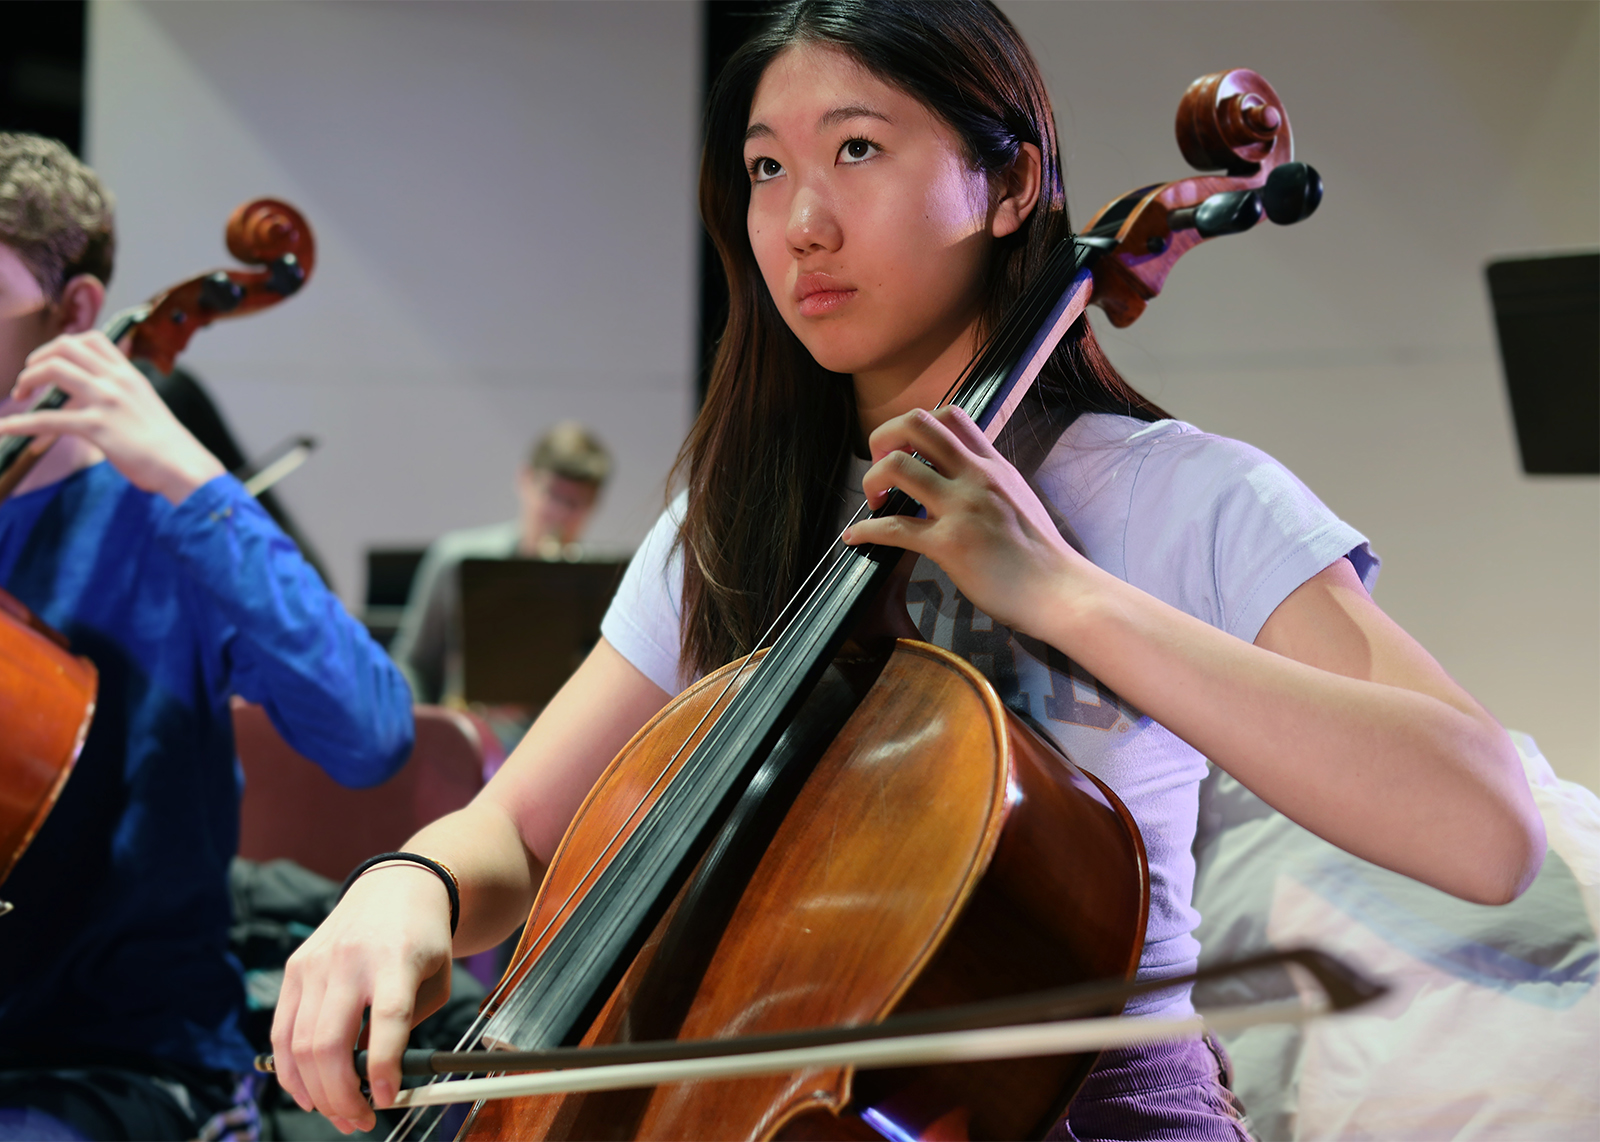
pixel 113 410
pixel 984 526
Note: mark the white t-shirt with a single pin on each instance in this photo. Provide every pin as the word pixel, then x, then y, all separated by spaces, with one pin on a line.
pixel 1209 525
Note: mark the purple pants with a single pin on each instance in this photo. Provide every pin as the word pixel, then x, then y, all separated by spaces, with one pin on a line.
pixel 1179 1090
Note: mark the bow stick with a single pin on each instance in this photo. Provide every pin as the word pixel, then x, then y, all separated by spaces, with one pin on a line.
pixel 914 1050
pixel 1007 1028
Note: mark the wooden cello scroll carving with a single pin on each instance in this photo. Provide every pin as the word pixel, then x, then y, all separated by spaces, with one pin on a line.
pixel 266 233
pixel 1230 121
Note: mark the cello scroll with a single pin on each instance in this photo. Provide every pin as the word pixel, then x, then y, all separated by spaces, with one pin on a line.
pixel 1232 121
pixel 263 232
pixel 266 233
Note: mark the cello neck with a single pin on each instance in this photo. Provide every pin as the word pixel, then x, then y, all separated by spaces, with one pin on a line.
pixel 1004 371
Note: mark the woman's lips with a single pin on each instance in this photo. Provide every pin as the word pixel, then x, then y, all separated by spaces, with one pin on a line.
pixel 816 294
pixel 823 301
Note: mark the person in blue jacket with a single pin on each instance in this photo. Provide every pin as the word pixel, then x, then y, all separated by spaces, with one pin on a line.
pixel 120 1006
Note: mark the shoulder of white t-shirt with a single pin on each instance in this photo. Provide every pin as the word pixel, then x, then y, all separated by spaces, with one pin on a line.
pixel 1171 441
pixel 1108 430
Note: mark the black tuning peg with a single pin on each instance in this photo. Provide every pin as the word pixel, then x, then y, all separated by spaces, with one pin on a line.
pixel 286 275
pixel 1227 212
pixel 220 294
pixel 1292 193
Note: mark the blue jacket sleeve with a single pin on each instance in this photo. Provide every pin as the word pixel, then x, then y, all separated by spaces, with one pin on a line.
pixel 332 692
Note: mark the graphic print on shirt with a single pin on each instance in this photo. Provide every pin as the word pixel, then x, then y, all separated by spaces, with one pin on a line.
pixel 947 618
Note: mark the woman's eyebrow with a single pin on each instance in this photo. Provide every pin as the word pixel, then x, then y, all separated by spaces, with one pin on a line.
pixel 851 111
pixel 829 119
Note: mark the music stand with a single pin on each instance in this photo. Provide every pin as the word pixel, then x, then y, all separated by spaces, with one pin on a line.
pixel 1547 315
pixel 526 624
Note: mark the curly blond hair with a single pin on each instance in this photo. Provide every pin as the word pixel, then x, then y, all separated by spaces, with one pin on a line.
pixel 54 212
pixel 573 452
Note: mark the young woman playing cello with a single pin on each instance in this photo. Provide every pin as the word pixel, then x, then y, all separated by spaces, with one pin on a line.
pixel 882 179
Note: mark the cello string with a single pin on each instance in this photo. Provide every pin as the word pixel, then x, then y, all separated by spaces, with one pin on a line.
pixel 602 890
pixel 839 554
pixel 733 678
pixel 413 1116
pixel 690 794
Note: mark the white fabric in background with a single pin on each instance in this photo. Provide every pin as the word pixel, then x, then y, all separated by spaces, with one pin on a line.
pixel 1492 1030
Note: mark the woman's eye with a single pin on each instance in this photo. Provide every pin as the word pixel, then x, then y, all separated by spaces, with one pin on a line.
pixel 761 170
pixel 856 150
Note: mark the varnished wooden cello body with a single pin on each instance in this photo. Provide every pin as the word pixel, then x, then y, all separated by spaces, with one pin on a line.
pixel 47 699
pixel 47 695
pixel 952 857
pixel 849 824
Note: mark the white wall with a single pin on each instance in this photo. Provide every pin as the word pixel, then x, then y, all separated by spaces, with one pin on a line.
pixel 1359 347
pixel 504 199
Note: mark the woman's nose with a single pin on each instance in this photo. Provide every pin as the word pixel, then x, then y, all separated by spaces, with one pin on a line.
pixel 813 224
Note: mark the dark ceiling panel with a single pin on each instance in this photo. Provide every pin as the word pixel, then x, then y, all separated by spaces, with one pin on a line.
pixel 41 69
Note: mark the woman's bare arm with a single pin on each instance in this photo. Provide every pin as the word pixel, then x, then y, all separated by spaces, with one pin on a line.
pixel 387 945
pixel 1335 716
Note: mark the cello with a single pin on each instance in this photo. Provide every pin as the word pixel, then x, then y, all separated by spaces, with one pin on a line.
pixel 830 830
pixel 47 694
pixel 47 697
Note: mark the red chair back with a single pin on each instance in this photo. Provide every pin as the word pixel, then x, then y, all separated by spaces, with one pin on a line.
pixel 292 809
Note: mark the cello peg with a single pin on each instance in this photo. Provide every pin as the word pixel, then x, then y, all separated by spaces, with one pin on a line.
pixel 1229 212
pixel 1292 193
pixel 220 294
pixel 285 275
pixel 1258 117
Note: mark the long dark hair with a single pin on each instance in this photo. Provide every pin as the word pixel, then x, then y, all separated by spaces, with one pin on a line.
pixel 767 455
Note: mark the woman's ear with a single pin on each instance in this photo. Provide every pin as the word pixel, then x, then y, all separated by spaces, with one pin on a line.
pixel 79 307
pixel 1018 187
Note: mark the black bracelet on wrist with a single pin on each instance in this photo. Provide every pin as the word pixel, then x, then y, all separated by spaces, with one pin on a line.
pixel 446 877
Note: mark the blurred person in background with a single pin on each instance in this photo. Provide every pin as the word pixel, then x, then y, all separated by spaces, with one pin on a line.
pixel 558 489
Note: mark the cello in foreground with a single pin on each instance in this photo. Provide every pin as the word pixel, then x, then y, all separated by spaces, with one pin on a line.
pixel 848 824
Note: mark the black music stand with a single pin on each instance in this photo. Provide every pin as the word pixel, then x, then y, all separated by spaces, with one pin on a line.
pixel 526 624
pixel 1547 315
